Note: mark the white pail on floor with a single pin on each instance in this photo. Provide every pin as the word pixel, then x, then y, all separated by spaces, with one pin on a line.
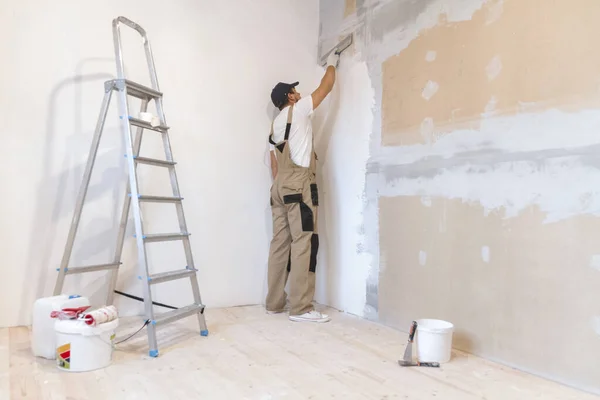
pixel 434 340
pixel 80 347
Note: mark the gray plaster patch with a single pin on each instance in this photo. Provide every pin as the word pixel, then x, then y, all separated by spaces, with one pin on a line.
pixel 430 90
pixel 372 300
pixel 393 14
pixel 426 201
pixel 485 254
pixel 430 56
pixel 331 16
pixel 494 68
pixel 481 160
pixel 422 258
pixel 595 262
pixel 595 322
pixel 427 129
pixel 494 11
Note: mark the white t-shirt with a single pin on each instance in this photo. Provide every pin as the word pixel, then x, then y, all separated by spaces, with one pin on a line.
pixel 301 134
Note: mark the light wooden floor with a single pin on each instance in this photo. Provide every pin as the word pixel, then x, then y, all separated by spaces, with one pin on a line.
pixel 251 355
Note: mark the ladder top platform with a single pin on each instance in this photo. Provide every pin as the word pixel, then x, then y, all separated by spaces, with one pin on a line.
pixel 133 88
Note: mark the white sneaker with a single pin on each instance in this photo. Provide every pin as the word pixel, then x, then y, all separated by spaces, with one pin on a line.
pixel 311 316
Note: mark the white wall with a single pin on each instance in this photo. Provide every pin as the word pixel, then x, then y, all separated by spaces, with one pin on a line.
pixel 217 62
pixel 342 136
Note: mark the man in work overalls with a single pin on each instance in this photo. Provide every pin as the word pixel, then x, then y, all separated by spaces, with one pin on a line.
pixel 295 199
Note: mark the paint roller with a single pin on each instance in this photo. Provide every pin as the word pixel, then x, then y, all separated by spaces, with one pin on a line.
pixel 339 48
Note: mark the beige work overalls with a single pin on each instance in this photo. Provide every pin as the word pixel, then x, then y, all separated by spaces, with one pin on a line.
pixel 294 203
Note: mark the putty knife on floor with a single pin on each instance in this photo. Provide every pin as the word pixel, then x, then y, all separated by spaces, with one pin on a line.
pixel 407 359
pixel 411 336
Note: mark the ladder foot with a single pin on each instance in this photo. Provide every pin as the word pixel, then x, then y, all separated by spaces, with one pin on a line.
pixel 204 332
pixel 153 353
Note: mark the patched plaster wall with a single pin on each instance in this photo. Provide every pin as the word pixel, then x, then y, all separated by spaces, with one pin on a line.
pixel 480 201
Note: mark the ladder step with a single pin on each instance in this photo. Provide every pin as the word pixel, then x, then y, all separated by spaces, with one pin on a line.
pixel 140 91
pixel 171 316
pixel 165 237
pixel 152 161
pixel 160 199
pixel 170 276
pixel 146 125
pixel 92 268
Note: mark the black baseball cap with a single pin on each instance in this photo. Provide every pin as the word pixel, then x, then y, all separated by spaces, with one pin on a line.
pixel 280 92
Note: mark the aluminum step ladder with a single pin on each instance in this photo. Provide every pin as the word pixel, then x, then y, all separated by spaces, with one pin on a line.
pixel 133 198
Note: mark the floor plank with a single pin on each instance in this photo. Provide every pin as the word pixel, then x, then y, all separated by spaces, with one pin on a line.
pixel 23 376
pixel 252 355
pixel 4 363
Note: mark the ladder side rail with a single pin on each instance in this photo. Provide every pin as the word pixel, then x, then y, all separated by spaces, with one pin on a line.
pixel 124 216
pixel 181 218
pixel 135 205
pixel 64 264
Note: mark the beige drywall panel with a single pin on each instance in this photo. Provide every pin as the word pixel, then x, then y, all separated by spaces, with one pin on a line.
pixel 510 56
pixel 518 290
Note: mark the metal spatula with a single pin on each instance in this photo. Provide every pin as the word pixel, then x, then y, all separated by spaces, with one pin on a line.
pixel 411 336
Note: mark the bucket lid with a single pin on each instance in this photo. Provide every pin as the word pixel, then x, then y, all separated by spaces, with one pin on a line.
pixel 78 327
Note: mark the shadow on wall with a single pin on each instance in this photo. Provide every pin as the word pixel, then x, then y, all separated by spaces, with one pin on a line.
pixel 44 231
pixel 326 116
pixel 271 112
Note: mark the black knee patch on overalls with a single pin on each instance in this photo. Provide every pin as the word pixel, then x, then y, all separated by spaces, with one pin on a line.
pixel 314 194
pixel 306 214
pixel 314 248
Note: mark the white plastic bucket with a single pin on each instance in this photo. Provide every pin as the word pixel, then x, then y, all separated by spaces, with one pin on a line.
pixel 434 340
pixel 43 340
pixel 80 347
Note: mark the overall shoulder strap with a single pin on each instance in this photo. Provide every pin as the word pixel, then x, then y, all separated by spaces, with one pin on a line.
pixel 288 126
pixel 271 135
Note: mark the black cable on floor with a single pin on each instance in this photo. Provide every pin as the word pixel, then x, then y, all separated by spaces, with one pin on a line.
pixel 142 300
pixel 135 333
pixel 147 321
